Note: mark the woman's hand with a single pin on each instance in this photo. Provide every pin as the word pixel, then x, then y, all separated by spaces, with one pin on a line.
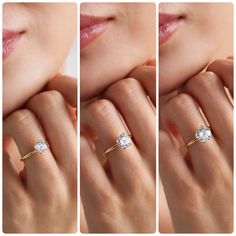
pixel 67 86
pixel 42 197
pixel 120 196
pixel 198 184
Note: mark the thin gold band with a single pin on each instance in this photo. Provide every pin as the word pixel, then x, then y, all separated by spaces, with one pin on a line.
pixel 111 148
pixel 191 142
pixel 28 155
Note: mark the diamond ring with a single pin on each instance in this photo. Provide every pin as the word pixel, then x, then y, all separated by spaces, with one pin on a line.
pixel 39 147
pixel 202 134
pixel 123 141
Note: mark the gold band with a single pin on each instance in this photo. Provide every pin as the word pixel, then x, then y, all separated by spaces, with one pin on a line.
pixel 191 142
pixel 111 148
pixel 28 155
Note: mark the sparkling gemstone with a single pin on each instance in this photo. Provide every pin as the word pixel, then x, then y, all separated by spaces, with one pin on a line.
pixel 41 146
pixel 203 134
pixel 124 141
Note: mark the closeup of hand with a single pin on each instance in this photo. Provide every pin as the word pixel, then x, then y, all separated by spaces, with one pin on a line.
pixel 198 181
pixel 118 191
pixel 40 194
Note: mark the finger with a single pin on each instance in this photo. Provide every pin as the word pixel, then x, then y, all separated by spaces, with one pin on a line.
pixel 15 198
pixel 67 86
pixel 11 179
pixel 146 75
pixel 176 177
pixel 83 223
pixel 51 111
pixel 206 157
pixel 24 128
pixel 94 185
pixel 130 99
pixel 103 118
pixel 208 90
pixel 224 69
pixel 13 152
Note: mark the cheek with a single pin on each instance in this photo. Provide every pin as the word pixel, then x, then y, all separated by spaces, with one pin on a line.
pixel 187 56
pixel 115 53
pixel 26 73
pixel 204 37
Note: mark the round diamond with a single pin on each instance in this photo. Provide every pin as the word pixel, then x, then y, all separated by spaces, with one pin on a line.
pixel 41 146
pixel 124 141
pixel 203 134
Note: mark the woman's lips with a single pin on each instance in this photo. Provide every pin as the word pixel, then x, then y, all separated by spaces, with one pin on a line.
pixel 9 41
pixel 91 27
pixel 168 24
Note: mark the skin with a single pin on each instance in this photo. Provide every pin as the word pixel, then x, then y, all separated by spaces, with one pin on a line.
pixel 201 181
pixel 195 43
pixel 40 53
pixel 122 36
pixel 118 197
pixel 40 110
pixel 44 191
pixel 114 199
pixel 41 191
pixel 196 193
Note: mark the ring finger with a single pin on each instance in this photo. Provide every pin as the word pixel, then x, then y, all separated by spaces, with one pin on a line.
pixel 209 92
pixel 24 128
pixel 126 164
pixel 139 114
pixel 183 112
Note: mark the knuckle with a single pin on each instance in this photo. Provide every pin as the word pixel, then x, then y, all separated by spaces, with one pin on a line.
pixel 180 103
pixel 48 99
pixel 21 117
pixel 101 108
pixel 128 86
pixel 204 81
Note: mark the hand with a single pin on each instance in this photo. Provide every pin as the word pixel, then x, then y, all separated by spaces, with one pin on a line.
pixel 68 88
pixel 120 196
pixel 41 198
pixel 198 184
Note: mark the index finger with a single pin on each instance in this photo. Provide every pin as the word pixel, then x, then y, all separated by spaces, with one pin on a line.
pixel 224 69
pixel 146 75
pixel 67 86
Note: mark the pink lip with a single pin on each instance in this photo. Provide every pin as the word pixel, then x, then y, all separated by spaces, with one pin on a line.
pixel 9 41
pixel 168 24
pixel 91 27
